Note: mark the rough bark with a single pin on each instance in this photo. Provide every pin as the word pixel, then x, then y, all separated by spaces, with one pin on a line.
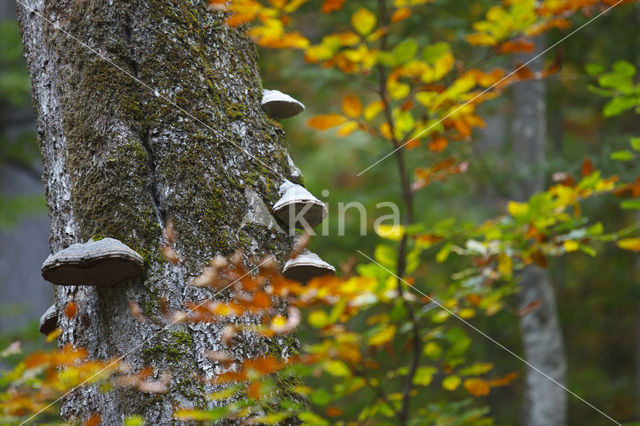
pixel 545 403
pixel 119 160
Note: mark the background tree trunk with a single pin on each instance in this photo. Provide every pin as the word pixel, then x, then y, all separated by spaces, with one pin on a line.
pixel 119 160
pixel 545 403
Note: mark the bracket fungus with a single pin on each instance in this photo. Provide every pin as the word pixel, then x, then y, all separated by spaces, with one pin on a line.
pixel 49 320
pixel 279 105
pixel 306 266
pixel 295 201
pixel 100 263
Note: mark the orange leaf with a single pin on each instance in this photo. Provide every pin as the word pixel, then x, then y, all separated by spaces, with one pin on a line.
pixel 332 5
pixel 327 121
pixel 438 144
pixel 351 106
pixel 400 14
pixel 477 387
pixel 413 143
pixel 587 167
pixel 543 27
pixel 70 310
pixel 517 46
pixel 503 381
pixel 334 411
pixel 239 19
pixel 255 390
pixel 94 420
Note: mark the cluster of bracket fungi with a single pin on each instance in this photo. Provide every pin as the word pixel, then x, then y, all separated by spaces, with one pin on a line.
pixel 108 261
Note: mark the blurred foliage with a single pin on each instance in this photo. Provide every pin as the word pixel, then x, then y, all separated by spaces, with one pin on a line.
pixel 14 81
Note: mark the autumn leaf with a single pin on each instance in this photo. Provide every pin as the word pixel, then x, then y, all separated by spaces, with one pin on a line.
pixel 400 14
pixel 332 5
pixel 363 21
pixel 451 383
pixel 382 336
pixel 587 167
pixel 476 386
pixel 351 106
pixel 334 411
pixel 570 246
pixel 327 121
pixel 438 145
pixel 70 310
pixel 347 128
pixel 632 244
pixel 373 109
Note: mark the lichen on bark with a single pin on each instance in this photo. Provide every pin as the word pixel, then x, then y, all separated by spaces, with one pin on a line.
pixel 122 156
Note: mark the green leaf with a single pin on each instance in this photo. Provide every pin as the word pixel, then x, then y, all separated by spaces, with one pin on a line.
pixel 459 342
pixel 133 421
pixel 622 155
pixel 630 204
pixel 386 256
pixel 443 254
pixel 424 375
pixel 594 69
pixel 624 68
pixel 617 106
pixel 435 51
pixel 405 51
pixel 320 397
pixel 635 144
pixel 312 419
pixel 476 369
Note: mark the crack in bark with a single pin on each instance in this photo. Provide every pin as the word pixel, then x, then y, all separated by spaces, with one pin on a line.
pixel 154 190
pixel 127 29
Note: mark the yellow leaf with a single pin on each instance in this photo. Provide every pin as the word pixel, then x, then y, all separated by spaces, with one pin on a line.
pixel 426 98
pixel 480 39
pixel 373 109
pixel 337 368
pixel 347 128
pixel 363 21
pixel 517 209
pixel 318 318
pixel 570 246
pixel 385 130
pixel 383 336
pixel 432 350
pixel 505 265
pixel 397 89
pixel 390 232
pixel 451 383
pixel 351 106
pixel 466 313
pixel 327 121
pixel 632 244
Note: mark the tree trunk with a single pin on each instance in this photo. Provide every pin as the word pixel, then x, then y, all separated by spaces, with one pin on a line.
pixel 545 403
pixel 120 159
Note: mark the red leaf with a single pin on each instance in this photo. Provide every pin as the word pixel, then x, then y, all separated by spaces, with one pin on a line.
pixel 587 167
